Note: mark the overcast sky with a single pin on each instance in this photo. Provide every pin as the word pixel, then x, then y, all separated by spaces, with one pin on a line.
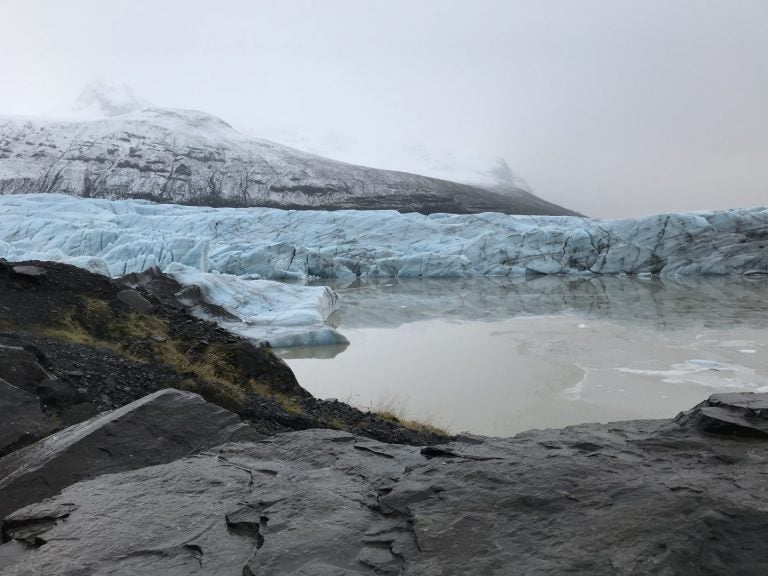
pixel 612 108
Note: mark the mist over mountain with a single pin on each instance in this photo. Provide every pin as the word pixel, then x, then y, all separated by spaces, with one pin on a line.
pixel 120 146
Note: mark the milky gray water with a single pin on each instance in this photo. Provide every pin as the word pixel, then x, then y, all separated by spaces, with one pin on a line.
pixel 497 356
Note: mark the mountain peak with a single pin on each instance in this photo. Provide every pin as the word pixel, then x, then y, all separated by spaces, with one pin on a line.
pixel 503 175
pixel 109 100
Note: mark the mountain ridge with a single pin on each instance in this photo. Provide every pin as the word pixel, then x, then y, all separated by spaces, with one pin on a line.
pixel 192 157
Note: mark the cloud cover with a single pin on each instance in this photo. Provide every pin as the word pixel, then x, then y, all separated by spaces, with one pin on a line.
pixel 612 109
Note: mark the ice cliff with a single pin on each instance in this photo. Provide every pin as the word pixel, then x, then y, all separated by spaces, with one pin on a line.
pixel 233 255
pixel 118 237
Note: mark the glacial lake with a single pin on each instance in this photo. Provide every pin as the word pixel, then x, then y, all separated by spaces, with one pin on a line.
pixel 497 356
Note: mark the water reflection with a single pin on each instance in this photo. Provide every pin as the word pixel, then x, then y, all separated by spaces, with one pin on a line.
pixel 665 303
pixel 498 356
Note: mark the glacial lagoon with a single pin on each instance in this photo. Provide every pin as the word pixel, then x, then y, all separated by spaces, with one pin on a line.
pixel 497 356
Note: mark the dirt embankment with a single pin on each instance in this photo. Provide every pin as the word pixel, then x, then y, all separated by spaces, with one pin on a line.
pixel 103 343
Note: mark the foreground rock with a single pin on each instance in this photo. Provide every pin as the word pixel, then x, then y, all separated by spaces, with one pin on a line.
pixel 646 497
pixel 159 428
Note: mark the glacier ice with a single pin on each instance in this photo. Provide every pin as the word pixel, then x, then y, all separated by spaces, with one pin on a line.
pixel 133 235
pixel 233 254
pixel 280 314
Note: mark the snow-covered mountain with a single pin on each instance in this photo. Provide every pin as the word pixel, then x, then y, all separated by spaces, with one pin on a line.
pixel 190 157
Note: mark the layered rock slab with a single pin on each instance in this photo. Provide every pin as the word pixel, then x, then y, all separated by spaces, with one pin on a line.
pixel 299 503
pixel 645 497
pixel 158 428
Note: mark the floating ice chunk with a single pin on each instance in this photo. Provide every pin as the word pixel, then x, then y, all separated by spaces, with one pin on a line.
pixel 574 392
pixel 708 373
pixel 261 301
pixel 322 337
pixel 705 363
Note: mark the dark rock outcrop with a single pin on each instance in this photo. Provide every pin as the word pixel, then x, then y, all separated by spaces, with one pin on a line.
pixel 159 428
pixel 641 498
pixel 135 301
pixel 731 414
pixel 21 368
pixel 21 420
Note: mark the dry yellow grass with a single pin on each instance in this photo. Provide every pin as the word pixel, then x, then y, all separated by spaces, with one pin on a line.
pixel 393 409
pixel 94 324
pixel 289 403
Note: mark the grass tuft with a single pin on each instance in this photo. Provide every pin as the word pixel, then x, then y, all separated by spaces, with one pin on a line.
pixel 147 338
pixel 289 403
pixel 394 410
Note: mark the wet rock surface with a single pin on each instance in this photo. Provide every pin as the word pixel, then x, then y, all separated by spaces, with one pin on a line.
pixel 642 497
pixel 159 428
pixel 731 414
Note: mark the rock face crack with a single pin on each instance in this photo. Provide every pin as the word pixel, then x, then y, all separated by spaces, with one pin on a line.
pixel 248 523
pixel 373 451
pixel 196 551
pixel 28 529
pixel 442 452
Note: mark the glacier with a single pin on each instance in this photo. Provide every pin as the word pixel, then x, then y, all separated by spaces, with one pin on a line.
pixel 235 255
pixel 119 237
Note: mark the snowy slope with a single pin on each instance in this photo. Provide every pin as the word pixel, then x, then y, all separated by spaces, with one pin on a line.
pixel 190 157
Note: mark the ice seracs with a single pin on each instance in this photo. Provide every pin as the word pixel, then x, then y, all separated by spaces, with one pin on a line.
pixel 129 236
pixel 225 250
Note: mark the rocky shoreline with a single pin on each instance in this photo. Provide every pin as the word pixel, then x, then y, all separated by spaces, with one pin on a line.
pixel 170 484
pixel 96 344
pixel 108 467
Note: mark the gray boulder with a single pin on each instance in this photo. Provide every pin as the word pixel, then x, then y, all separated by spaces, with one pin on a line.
pixel 735 414
pixel 300 503
pixel 21 420
pixel 158 428
pixel 135 301
pixel 21 368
